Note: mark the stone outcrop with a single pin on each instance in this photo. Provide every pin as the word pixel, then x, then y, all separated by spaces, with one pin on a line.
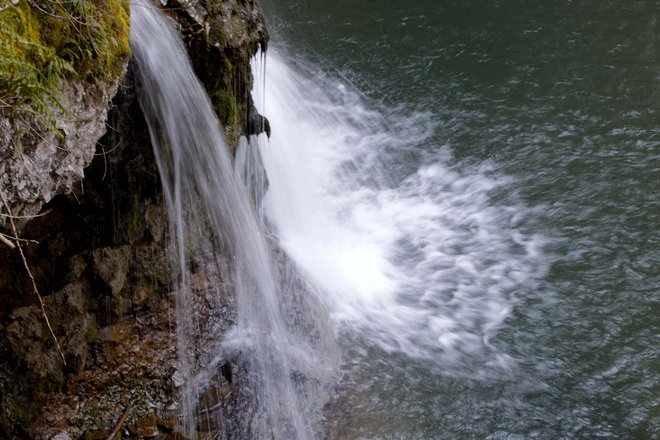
pixel 54 94
pixel 37 163
pixel 222 36
pixel 98 252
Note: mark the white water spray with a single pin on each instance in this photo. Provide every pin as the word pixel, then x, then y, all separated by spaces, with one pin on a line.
pixel 414 259
pixel 217 242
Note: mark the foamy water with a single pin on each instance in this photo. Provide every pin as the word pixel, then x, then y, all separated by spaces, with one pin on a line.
pixel 414 259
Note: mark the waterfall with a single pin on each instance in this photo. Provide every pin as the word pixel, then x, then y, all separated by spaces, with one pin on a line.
pixel 219 249
pixel 321 230
pixel 401 242
pixel 478 241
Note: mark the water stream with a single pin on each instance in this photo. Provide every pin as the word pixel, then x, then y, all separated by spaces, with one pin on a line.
pixel 217 239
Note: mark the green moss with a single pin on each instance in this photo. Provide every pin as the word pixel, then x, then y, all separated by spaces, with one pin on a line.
pixel 224 102
pixel 91 331
pixel 157 275
pixel 134 222
pixel 29 69
pixel 56 377
pixel 225 105
pixel 16 140
pixel 44 44
pixel 99 48
pixel 147 174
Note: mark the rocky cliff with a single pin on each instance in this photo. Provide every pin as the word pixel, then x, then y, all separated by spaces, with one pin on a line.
pixel 97 247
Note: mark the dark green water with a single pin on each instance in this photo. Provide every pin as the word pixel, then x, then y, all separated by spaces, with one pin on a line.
pixel 564 98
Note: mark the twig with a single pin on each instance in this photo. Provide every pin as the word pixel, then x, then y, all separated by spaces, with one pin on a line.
pixel 6 241
pixel 20 217
pixel 105 154
pixel 9 237
pixel 120 423
pixel 34 283
pixel 4 103
pixel 35 5
pixel 105 164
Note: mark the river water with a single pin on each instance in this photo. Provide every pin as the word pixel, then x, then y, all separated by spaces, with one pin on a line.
pixel 473 185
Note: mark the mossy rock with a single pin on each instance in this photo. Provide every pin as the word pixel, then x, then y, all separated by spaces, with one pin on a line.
pixel 43 43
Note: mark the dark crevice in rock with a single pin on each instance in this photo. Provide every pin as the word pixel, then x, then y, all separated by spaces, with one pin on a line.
pixel 226 371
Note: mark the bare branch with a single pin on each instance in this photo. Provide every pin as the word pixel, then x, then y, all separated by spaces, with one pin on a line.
pixel 5 241
pixel 21 217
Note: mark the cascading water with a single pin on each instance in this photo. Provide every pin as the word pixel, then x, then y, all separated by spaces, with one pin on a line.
pixel 416 261
pixel 218 242
pixel 416 231
pixel 412 260
pixel 402 260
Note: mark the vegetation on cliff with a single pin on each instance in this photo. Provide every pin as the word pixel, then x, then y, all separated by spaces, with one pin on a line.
pixel 44 42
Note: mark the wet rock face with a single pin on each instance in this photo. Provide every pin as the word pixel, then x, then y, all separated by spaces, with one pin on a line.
pixel 111 267
pixel 100 263
pixel 30 339
pixel 100 255
pixel 222 36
